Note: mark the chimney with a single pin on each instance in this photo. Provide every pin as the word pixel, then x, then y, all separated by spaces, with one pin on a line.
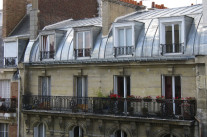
pixel 204 13
pixel 34 19
pixel 111 9
pixel 153 4
pixel 13 12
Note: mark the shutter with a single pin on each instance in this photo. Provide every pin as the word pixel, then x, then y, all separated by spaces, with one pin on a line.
pixel 49 86
pixel 39 85
pixel 1 88
pixel 71 133
pixel 35 131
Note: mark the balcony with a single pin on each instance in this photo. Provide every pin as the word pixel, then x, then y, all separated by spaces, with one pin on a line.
pixel 162 109
pixel 123 50
pixel 172 48
pixel 10 61
pixel 85 52
pixel 8 105
pixel 46 55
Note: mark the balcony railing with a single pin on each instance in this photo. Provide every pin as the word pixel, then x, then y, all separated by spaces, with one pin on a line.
pixel 8 105
pixel 166 108
pixel 172 48
pixel 10 61
pixel 85 52
pixel 123 50
pixel 46 55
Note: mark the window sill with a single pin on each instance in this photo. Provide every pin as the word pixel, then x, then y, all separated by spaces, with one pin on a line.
pixel 50 59
pixel 124 56
pixel 80 58
pixel 173 54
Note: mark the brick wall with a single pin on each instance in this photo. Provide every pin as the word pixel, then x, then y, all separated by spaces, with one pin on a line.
pixel 13 130
pixel 52 11
pixel 13 12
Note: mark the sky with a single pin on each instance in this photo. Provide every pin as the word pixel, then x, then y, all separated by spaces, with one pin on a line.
pixel 171 3
pixel 167 3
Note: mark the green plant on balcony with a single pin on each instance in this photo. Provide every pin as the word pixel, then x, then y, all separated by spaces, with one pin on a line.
pixel 147 99
pixel 160 99
pixel 190 100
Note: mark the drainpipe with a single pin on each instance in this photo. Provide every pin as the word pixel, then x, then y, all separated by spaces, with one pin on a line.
pixel 18 111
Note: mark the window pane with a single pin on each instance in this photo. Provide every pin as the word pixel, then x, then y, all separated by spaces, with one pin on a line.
pixel 177 37
pixel 79 86
pixel 87 39
pixel 45 86
pixel 129 37
pixel 51 42
pixel 41 132
pixel 80 40
pixel 121 37
pixel 168 38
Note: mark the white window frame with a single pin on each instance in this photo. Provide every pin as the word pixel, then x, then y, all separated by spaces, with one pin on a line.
pixel 124 26
pixel 48 79
pixel 172 21
pixel 5 93
pixel 84 41
pixel 8 51
pixel 125 85
pixel 36 130
pixel 84 86
pixel 5 130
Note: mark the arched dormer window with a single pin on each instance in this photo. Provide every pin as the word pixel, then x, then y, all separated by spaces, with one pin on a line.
pixel 40 130
pixel 76 132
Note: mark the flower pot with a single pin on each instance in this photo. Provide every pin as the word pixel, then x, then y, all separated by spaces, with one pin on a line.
pixel 177 101
pixel 191 101
pixel 159 100
pixel 147 100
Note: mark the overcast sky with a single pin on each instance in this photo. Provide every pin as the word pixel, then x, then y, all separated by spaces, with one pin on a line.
pixel 167 3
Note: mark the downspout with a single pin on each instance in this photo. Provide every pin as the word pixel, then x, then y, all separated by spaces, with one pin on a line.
pixel 18 111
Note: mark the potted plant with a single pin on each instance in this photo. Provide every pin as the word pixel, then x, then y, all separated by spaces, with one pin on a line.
pixel 147 99
pixel 160 99
pixel 138 99
pixel 178 100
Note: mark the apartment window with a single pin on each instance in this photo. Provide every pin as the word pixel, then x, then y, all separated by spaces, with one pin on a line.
pixel 10 54
pixel 171 89
pixel 81 89
pixel 120 133
pixel 45 86
pixel 47 49
pixel 122 86
pixel 76 132
pixel 40 130
pixel 4 130
pixel 83 44
pixel 4 88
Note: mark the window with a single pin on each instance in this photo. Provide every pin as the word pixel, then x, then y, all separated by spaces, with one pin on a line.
pixel 169 135
pixel 76 132
pixel 120 133
pixel 4 88
pixel 47 48
pixel 4 130
pixel 173 38
pixel 124 41
pixel 83 44
pixel 45 86
pixel 81 89
pixel 10 54
pixel 40 130
pixel 122 86
pixel 171 89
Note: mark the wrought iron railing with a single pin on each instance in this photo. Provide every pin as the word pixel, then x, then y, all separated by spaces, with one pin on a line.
pixel 172 48
pixel 8 105
pixel 123 50
pixel 47 55
pixel 85 52
pixel 10 61
pixel 166 108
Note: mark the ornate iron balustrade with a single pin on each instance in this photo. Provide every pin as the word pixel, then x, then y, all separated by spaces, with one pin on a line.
pixel 166 108
pixel 123 50
pixel 47 55
pixel 85 52
pixel 8 105
pixel 10 61
pixel 172 48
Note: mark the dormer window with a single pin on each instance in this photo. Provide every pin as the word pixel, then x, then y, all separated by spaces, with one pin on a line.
pixel 173 34
pixel 47 48
pixel 83 44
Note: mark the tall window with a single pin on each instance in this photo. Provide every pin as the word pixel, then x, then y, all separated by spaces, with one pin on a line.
pixel 122 86
pixel 76 132
pixel 124 41
pixel 173 38
pixel 4 130
pixel 40 130
pixel 47 46
pixel 83 44
pixel 171 89
pixel 120 133
pixel 4 88
pixel 81 89
pixel 45 86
